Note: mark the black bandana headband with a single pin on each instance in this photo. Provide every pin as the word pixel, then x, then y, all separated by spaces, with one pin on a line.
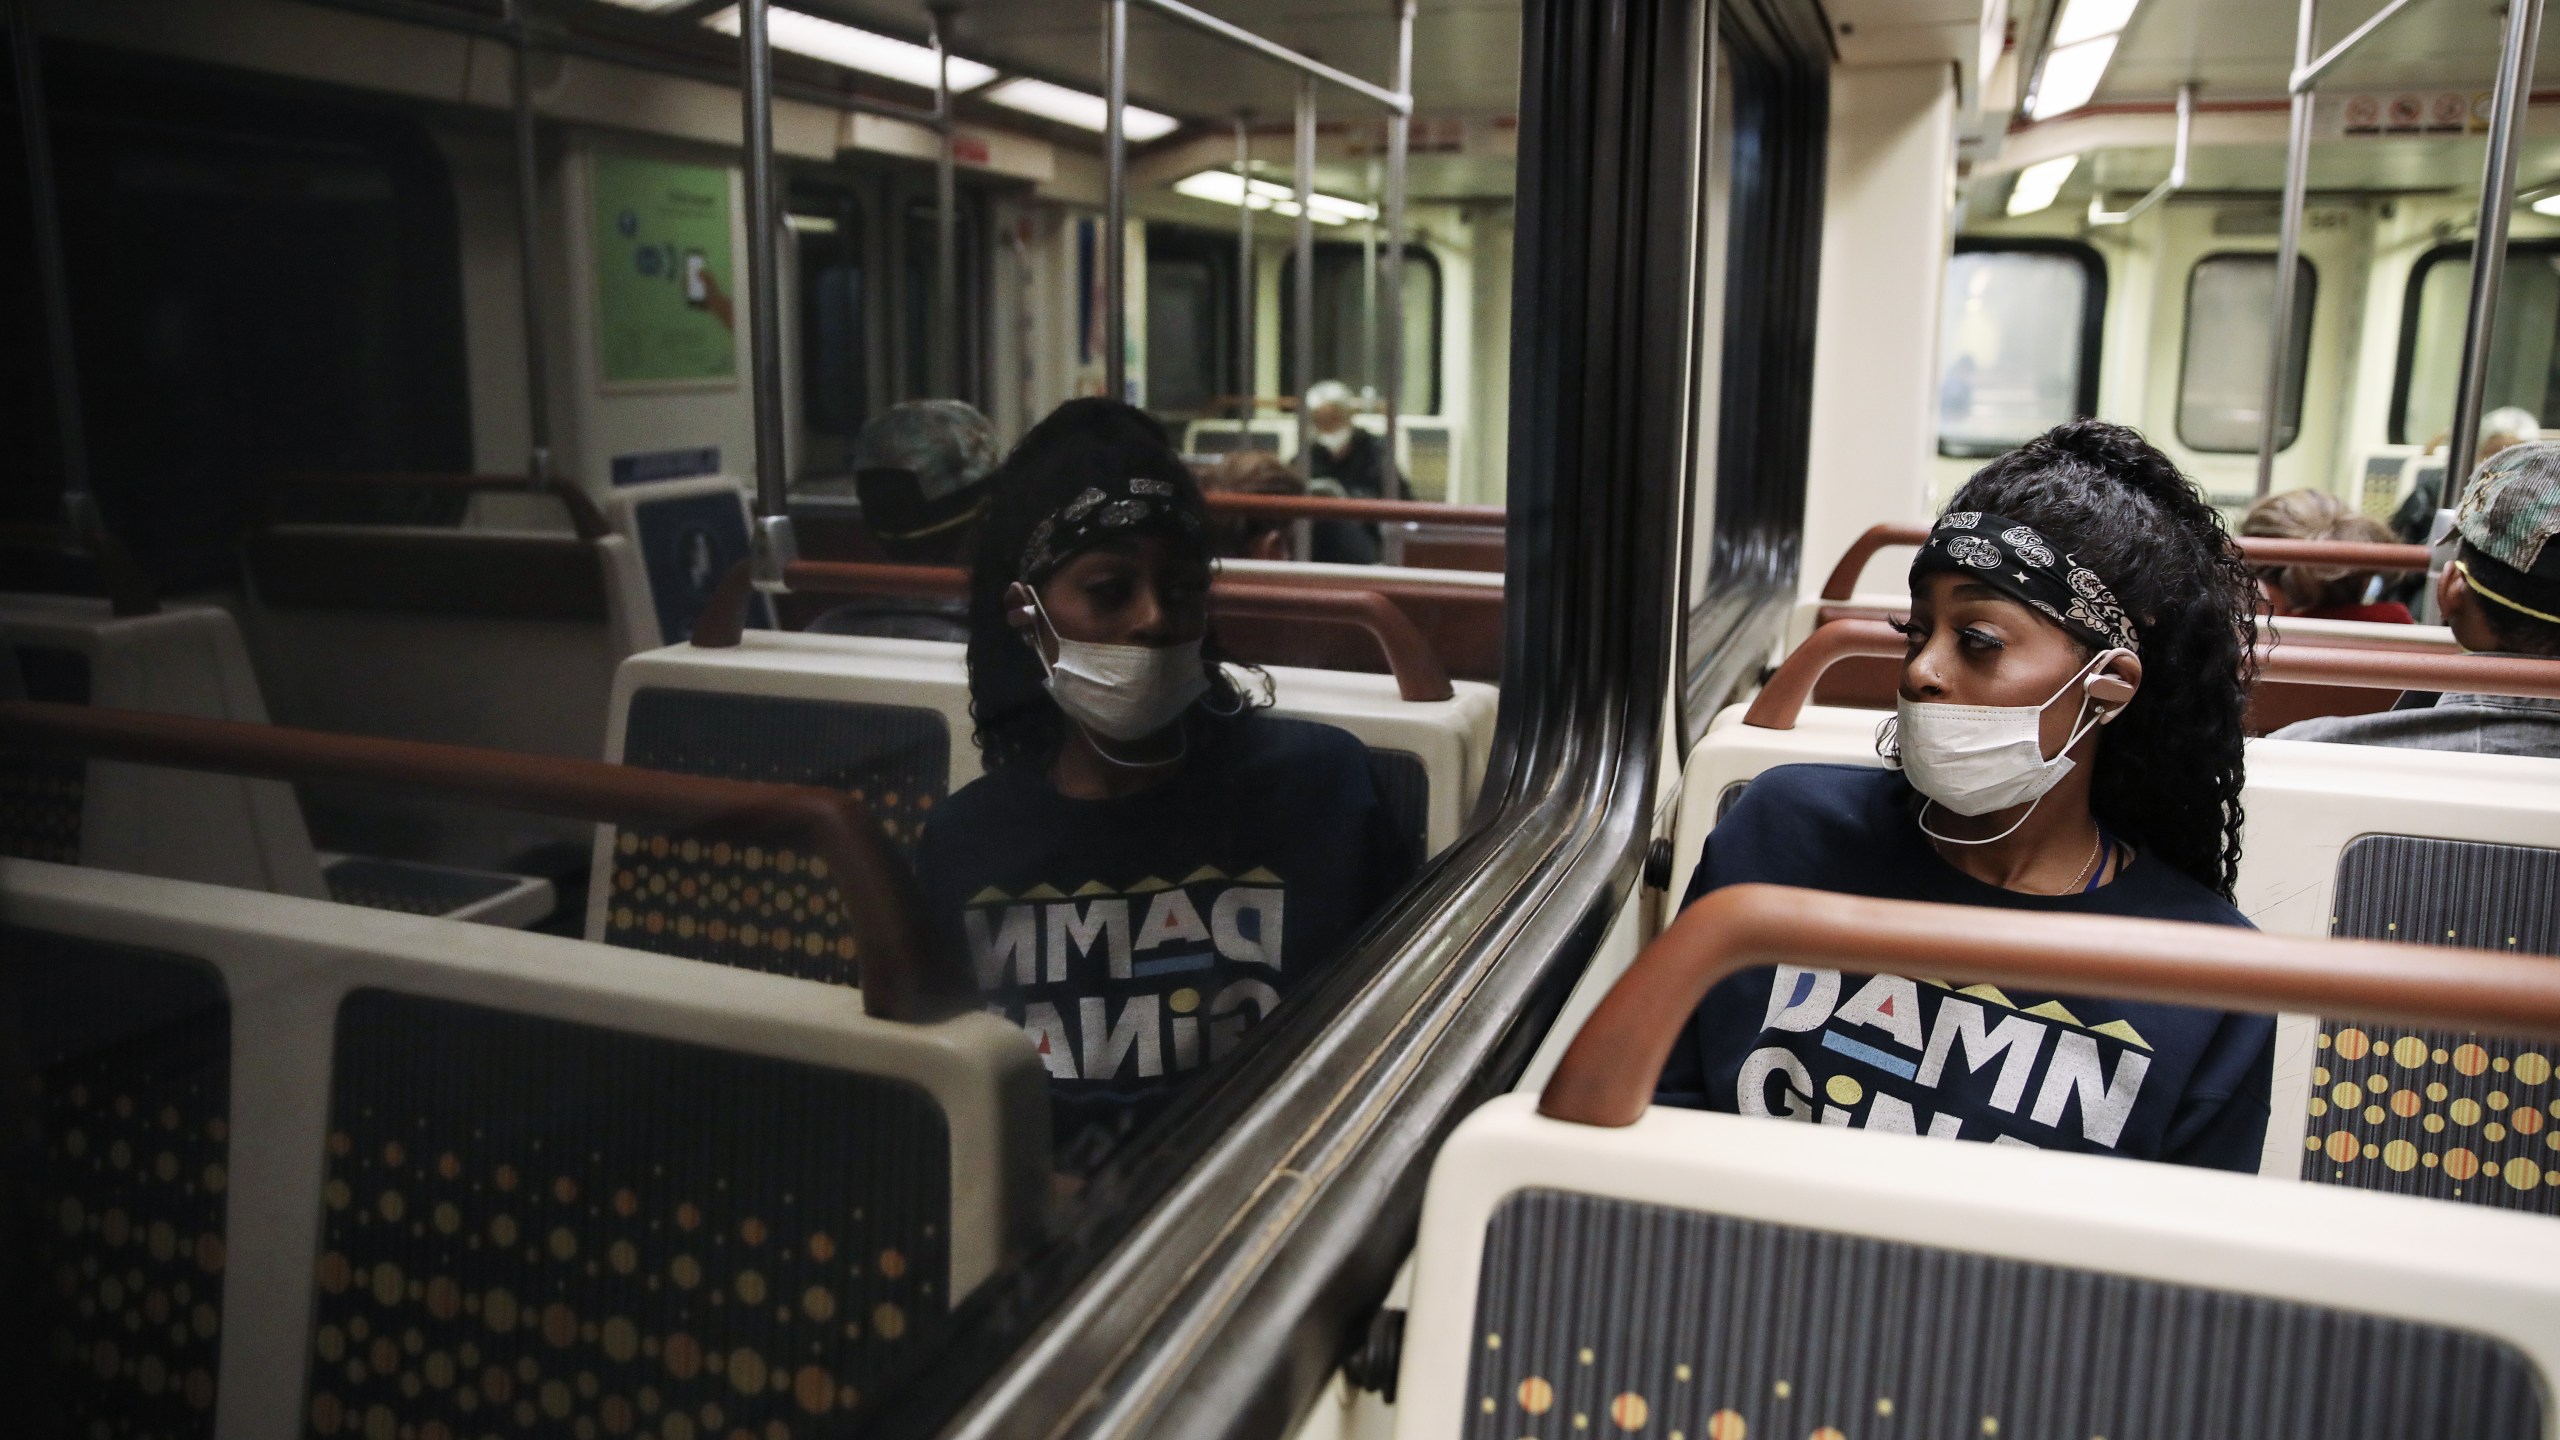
pixel 1132 506
pixel 2014 559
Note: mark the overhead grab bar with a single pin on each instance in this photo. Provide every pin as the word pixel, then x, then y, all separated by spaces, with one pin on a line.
pixel 2099 214
pixel 901 978
pixel 1608 1074
pixel 2307 76
pixel 2489 238
pixel 1783 697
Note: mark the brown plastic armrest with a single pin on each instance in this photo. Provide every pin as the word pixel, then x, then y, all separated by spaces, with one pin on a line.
pixel 1330 507
pixel 1608 1075
pixel 899 980
pixel 584 517
pixel 1782 698
pixel 1410 658
pixel 2261 551
pixel 2265 551
pixel 1785 692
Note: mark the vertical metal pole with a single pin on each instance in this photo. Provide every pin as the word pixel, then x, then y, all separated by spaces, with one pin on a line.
pixel 52 273
pixel 764 296
pixel 1369 291
pixel 945 350
pixel 2489 248
pixel 1115 201
pixel 1245 287
pixel 1302 321
pixel 1399 136
pixel 537 375
pixel 2297 173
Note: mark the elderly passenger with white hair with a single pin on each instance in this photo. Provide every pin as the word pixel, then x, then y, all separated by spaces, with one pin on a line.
pixel 1346 460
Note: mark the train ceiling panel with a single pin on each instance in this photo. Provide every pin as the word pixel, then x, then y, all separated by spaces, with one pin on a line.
pixel 1466 52
pixel 2245 48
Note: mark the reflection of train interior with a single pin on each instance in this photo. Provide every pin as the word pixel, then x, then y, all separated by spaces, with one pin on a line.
pixel 737 720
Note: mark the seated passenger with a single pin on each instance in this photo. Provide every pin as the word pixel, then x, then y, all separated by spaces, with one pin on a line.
pixel 2322 592
pixel 2500 596
pixel 920 470
pixel 2068 742
pixel 1348 462
pixel 1253 537
pixel 1150 864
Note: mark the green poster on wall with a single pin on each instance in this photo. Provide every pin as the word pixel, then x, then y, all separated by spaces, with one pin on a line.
pixel 663 273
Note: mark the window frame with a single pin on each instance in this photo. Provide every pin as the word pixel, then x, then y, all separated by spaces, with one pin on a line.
pixel 2093 318
pixel 1218 253
pixel 2307 295
pixel 2405 359
pixel 1417 254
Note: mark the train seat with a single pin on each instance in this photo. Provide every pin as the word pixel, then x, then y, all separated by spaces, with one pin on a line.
pixel 1589 1261
pixel 302 1168
pixel 1720 1276
pixel 2345 840
pixel 889 720
pixel 1458 611
pixel 688 533
pixel 181 825
pixel 501 639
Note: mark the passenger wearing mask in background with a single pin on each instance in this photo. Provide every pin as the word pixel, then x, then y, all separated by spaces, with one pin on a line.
pixel 1345 460
pixel 1252 537
pixel 2321 592
pixel 2501 596
pixel 2414 521
pixel 2067 742
pixel 1150 864
pixel 921 471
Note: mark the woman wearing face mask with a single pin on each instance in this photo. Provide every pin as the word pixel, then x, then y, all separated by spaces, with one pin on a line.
pixel 1149 864
pixel 2068 739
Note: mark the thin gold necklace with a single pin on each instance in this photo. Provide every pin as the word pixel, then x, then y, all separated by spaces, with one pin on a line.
pixel 2097 847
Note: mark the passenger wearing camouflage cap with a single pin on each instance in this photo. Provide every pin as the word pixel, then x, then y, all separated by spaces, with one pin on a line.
pixel 2500 595
pixel 920 469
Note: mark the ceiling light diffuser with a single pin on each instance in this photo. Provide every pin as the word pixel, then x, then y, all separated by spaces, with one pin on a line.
pixel 2089 19
pixel 2071 76
pixel 841 44
pixel 1075 107
pixel 1220 186
pixel 2038 184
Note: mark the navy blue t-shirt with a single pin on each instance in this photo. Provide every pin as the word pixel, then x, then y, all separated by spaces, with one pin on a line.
pixel 1913 1054
pixel 1136 938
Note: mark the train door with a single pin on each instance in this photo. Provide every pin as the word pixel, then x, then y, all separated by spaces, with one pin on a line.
pixel 2209 344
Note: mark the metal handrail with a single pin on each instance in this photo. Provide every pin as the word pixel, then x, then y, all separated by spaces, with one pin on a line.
pixel 901 976
pixel 1608 1074
pixel 2258 550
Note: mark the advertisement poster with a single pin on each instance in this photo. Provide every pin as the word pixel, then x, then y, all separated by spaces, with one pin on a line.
pixel 664 273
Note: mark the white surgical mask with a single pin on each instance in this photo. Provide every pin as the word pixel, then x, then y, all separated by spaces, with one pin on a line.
pixel 1121 692
pixel 1974 759
pixel 1335 441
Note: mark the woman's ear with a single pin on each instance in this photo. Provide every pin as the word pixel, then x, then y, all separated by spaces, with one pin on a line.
pixel 2114 684
pixel 1018 608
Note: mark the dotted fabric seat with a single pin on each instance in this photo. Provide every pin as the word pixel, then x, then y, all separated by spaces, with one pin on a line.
pixel 129 1054
pixel 770 910
pixel 542 1227
pixel 2443 1114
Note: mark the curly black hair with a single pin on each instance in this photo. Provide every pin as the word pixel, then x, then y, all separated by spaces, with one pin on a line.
pixel 2170 769
pixel 1080 441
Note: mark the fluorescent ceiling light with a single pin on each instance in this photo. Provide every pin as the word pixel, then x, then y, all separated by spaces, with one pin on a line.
pixel 2071 76
pixel 2039 183
pixel 1220 186
pixel 2548 204
pixel 2089 19
pixel 1085 112
pixel 654 7
pixel 840 44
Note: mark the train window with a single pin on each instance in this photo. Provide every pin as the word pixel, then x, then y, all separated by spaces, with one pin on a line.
pixel 1347 348
pixel 266 280
pixel 1191 320
pixel 969 359
pixel 827 233
pixel 2524 348
pixel 2018 336
pixel 2222 377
